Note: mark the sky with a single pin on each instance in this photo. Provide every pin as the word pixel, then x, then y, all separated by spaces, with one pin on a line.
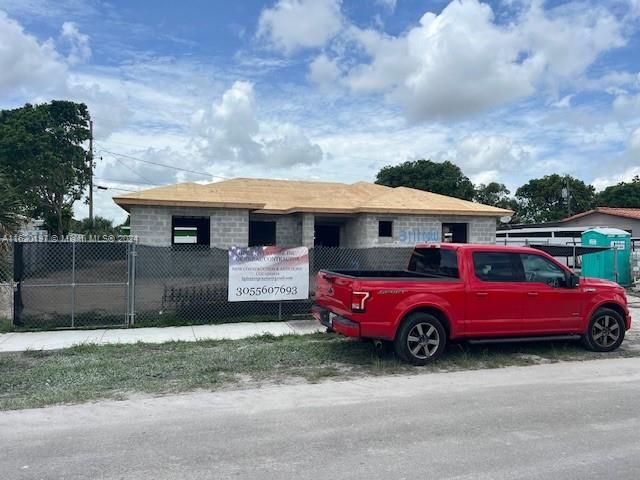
pixel 334 90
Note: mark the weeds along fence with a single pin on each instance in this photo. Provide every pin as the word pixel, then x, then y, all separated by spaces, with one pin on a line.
pixel 92 284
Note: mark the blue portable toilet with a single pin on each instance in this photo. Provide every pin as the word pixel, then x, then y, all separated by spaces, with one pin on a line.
pixel 613 264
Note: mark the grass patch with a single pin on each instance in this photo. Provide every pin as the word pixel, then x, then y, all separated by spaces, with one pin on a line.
pixel 5 325
pixel 90 372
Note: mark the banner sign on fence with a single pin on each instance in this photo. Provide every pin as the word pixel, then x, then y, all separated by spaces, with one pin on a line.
pixel 268 273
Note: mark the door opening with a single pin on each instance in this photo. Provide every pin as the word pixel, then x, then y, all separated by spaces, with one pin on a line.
pixel 327 235
pixel 262 234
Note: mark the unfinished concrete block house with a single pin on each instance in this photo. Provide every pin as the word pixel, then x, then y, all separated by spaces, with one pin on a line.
pixel 250 212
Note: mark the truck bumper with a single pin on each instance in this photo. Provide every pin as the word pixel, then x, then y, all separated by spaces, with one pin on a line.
pixel 342 325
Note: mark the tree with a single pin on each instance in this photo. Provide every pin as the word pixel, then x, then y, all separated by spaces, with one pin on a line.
pixel 444 178
pixel 41 149
pixel 101 226
pixel 622 195
pixel 498 195
pixel 494 194
pixel 9 208
pixel 542 200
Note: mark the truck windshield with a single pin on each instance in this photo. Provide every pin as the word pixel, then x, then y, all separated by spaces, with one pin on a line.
pixel 436 262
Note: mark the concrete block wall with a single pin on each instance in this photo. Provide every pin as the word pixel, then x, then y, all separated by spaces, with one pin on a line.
pixel 354 232
pixel 482 230
pixel 152 225
pixel 288 228
pixel 229 228
pixel 362 231
pixel 308 229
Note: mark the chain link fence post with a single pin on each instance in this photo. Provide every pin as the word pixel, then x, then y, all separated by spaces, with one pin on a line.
pixel 132 284
pixel 73 284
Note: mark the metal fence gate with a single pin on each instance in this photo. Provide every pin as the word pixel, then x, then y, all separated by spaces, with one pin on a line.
pixel 71 284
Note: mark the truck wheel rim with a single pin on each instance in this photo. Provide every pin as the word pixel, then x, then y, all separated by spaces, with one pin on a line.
pixel 423 340
pixel 605 331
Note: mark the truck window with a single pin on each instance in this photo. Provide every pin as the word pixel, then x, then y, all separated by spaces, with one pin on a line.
pixel 438 262
pixel 498 267
pixel 538 269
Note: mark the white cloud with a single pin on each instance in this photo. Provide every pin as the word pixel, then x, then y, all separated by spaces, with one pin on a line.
pixel 25 62
pixel 230 133
pixel 485 157
pixel 564 102
pixel 389 4
pixel 626 104
pixel 462 61
pixel 79 43
pixel 323 71
pixel 295 24
pixel 634 142
pixel 291 148
pixel 628 157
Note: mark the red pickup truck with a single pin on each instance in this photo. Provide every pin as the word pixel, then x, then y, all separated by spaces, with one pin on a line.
pixel 471 292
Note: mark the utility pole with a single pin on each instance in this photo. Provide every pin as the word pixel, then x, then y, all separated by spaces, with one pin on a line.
pixel 91 174
pixel 566 194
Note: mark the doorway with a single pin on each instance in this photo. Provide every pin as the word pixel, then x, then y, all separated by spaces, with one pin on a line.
pixel 327 235
pixel 262 234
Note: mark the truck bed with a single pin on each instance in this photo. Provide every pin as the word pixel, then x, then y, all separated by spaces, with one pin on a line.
pixel 386 274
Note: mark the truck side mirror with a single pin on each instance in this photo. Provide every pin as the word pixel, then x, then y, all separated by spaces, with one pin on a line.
pixel 573 280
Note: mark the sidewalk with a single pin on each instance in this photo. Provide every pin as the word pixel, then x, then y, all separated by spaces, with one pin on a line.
pixel 21 341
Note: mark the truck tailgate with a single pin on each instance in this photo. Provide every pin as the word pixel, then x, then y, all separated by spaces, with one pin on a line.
pixel 333 292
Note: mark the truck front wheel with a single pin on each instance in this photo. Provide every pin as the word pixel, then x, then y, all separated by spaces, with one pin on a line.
pixel 420 339
pixel 605 332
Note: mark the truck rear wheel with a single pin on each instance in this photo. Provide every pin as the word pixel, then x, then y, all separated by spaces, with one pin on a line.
pixel 605 332
pixel 420 339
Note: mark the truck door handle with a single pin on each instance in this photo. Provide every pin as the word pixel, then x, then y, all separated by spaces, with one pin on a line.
pixel 532 294
pixel 482 294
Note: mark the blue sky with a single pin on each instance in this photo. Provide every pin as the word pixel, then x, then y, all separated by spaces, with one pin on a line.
pixel 328 89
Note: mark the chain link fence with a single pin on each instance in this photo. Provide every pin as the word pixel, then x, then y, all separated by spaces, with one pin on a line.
pixel 71 284
pixel 80 284
pixel 6 285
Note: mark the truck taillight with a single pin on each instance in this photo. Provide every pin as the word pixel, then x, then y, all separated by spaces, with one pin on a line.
pixel 358 300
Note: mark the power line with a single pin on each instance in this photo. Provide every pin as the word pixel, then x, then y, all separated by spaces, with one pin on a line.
pixel 102 187
pixel 130 169
pixel 127 182
pixel 163 164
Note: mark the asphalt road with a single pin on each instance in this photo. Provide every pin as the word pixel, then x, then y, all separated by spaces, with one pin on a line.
pixel 560 421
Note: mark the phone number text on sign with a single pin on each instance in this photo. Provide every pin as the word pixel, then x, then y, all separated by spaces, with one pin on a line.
pixel 268 273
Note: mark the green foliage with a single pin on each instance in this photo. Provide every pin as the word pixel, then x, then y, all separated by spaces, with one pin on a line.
pixel 9 208
pixel 494 193
pixel 444 178
pixel 41 149
pixel 55 223
pixel 622 195
pixel 541 199
pixel 101 226
pixel 498 195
